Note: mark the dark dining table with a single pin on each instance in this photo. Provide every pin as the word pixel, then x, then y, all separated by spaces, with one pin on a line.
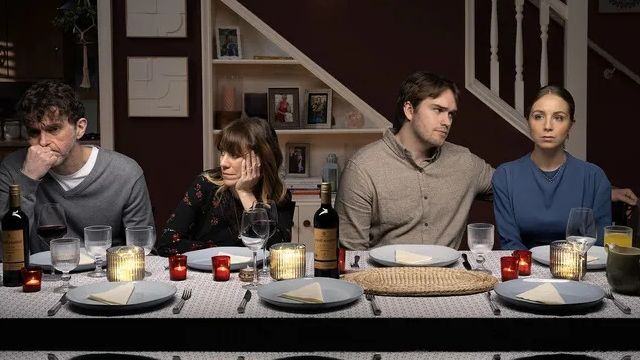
pixel 209 321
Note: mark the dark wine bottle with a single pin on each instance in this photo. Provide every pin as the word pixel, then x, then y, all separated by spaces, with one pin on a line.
pixel 325 236
pixel 15 240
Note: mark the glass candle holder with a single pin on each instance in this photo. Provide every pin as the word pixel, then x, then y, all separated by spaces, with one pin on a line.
pixel 509 267
pixel 125 263
pixel 341 257
pixel 524 267
pixel 565 261
pixel 31 278
pixel 178 267
pixel 221 267
pixel 246 274
pixel 288 261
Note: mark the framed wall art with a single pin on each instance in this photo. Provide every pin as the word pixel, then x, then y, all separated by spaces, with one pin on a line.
pixel 284 108
pixel 317 108
pixel 228 42
pixel 298 160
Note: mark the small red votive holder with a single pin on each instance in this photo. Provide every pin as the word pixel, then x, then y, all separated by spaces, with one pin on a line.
pixel 509 267
pixel 524 268
pixel 178 267
pixel 221 267
pixel 31 278
pixel 341 257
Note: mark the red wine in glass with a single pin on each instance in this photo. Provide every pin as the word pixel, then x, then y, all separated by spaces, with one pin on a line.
pixel 52 231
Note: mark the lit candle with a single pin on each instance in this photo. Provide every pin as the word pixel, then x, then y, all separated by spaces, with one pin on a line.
pixel 509 267
pixel 31 279
pixel 288 261
pixel 178 267
pixel 524 267
pixel 565 262
pixel 221 267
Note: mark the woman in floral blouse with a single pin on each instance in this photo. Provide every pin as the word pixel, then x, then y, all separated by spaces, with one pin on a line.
pixel 209 214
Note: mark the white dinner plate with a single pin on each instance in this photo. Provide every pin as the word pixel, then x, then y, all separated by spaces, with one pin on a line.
pixel 145 294
pixel 43 259
pixel 441 255
pixel 576 295
pixel 201 259
pixel 334 291
pixel 541 254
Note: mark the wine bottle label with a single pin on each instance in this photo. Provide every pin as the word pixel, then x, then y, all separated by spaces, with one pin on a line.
pixel 13 250
pixel 326 243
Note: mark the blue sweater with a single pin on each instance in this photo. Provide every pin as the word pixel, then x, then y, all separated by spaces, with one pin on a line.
pixel 530 210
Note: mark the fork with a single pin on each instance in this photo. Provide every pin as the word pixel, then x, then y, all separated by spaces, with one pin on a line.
pixel 374 305
pixel 624 308
pixel 494 308
pixel 186 295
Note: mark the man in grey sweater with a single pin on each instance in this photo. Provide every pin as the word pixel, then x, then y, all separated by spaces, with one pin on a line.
pixel 95 186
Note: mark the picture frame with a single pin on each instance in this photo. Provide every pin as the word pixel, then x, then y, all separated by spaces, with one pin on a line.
pixel 228 44
pixel 298 159
pixel 317 108
pixel 284 108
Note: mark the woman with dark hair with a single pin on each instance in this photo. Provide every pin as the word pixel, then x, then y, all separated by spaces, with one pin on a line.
pixel 209 214
pixel 534 194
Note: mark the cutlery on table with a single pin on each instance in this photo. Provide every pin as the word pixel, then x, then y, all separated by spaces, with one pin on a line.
pixel 376 357
pixel 465 262
pixel 51 356
pixel 624 308
pixel 374 305
pixel 186 295
pixel 54 309
pixel 355 262
pixel 494 307
pixel 176 357
pixel 245 300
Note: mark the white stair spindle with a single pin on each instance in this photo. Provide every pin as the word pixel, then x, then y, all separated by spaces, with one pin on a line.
pixel 495 64
pixel 519 82
pixel 544 28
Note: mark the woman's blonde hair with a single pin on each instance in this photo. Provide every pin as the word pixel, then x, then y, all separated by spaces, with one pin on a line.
pixel 255 134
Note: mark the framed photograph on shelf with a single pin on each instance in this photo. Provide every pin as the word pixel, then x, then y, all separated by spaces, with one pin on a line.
pixel 228 42
pixel 317 108
pixel 298 160
pixel 284 108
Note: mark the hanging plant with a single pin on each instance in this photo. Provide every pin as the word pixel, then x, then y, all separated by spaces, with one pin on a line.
pixel 78 17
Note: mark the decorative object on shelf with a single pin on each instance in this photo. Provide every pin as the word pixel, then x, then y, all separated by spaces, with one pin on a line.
pixel 288 261
pixel 317 110
pixel 78 17
pixel 271 57
pixel 228 42
pixel 331 172
pixel 228 98
pixel 156 19
pixel 298 160
pixel 158 86
pixel 355 120
pixel 255 105
pixel 125 263
pixel 284 108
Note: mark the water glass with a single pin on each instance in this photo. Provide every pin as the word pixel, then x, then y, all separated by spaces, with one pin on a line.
pixel 97 239
pixel 143 236
pixel 65 256
pixel 480 241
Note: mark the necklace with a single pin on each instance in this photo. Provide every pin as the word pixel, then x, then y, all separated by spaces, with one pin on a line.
pixel 551 175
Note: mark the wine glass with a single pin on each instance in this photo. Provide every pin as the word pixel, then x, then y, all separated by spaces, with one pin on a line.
pixel 97 239
pixel 272 213
pixel 52 224
pixel 65 256
pixel 581 232
pixel 480 241
pixel 254 229
pixel 143 236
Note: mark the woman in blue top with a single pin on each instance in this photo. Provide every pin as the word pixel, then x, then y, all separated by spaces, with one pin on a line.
pixel 534 194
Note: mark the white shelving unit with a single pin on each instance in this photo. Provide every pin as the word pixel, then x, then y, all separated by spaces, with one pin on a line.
pixel 258 75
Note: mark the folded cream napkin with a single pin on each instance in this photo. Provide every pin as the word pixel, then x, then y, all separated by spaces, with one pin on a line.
pixel 545 294
pixel 310 294
pixel 119 295
pixel 85 259
pixel 409 258
pixel 236 259
pixel 591 258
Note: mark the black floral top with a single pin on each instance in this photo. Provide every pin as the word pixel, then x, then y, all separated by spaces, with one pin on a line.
pixel 202 219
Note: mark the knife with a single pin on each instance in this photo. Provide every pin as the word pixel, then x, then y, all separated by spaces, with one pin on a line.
pixel 245 300
pixel 54 309
pixel 465 262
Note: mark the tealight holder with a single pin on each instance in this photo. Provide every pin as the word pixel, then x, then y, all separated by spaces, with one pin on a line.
pixel 125 263
pixel 288 261
pixel 246 274
pixel 565 261
pixel 178 267
pixel 221 267
pixel 524 267
pixel 509 267
pixel 31 278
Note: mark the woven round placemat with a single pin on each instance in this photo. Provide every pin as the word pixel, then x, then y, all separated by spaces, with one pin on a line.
pixel 422 281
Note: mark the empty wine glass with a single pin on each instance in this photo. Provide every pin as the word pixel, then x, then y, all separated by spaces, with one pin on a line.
pixel 65 256
pixel 254 229
pixel 97 239
pixel 143 236
pixel 272 213
pixel 581 232
pixel 52 224
pixel 480 241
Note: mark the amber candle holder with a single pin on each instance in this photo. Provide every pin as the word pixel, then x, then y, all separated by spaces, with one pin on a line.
pixel 31 278
pixel 178 267
pixel 125 263
pixel 524 267
pixel 288 261
pixel 509 267
pixel 565 261
pixel 221 267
